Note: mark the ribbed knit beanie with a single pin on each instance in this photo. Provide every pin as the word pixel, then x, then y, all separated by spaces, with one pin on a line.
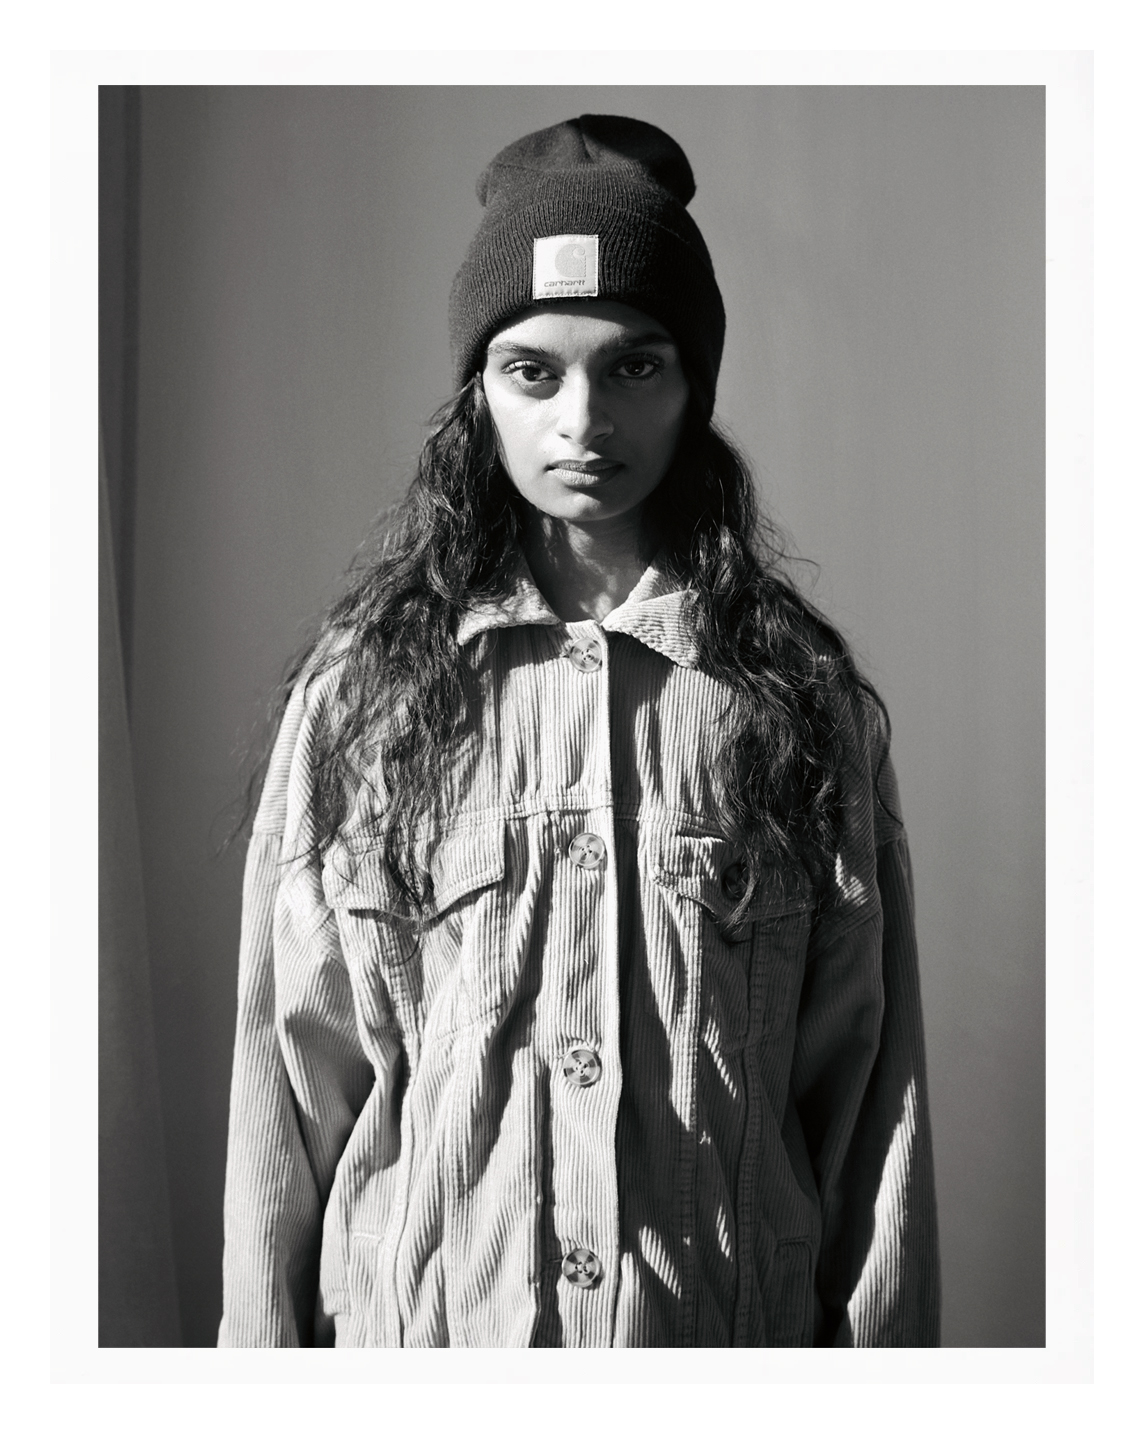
pixel 593 208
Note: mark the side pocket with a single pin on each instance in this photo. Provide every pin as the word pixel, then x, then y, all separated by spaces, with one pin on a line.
pixel 789 1298
pixel 778 962
pixel 749 974
pixel 356 1322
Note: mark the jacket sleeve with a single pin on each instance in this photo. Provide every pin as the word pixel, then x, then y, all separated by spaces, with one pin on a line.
pixel 859 1087
pixel 300 1075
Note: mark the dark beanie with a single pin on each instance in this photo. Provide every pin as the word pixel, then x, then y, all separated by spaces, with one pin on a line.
pixel 593 208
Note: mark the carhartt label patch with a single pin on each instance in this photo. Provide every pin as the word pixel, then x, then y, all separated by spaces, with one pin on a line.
pixel 566 266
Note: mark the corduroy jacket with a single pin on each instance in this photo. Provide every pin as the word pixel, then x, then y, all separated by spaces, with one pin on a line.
pixel 569 1105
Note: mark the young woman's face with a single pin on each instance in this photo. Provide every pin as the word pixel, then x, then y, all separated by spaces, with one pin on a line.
pixel 588 401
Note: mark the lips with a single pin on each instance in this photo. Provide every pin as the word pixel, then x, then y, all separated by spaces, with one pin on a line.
pixel 584 472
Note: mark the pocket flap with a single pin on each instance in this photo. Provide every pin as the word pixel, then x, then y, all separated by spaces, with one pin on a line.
pixel 357 878
pixel 460 862
pixel 463 862
pixel 711 871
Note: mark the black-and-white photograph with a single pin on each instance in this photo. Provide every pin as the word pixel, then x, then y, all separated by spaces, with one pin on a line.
pixel 572 706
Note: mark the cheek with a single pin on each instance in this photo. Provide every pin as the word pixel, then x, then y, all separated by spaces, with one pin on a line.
pixel 664 427
pixel 518 436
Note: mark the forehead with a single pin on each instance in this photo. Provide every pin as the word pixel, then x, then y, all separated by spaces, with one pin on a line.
pixel 577 327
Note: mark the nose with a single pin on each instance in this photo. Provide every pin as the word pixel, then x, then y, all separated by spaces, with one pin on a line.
pixel 583 416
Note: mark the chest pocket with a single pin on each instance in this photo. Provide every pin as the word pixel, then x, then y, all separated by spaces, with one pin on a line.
pixel 438 964
pixel 749 973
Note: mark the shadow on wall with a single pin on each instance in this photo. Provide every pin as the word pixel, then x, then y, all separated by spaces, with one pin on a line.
pixel 137 1292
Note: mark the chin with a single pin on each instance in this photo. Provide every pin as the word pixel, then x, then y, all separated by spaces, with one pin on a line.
pixel 574 505
pixel 587 509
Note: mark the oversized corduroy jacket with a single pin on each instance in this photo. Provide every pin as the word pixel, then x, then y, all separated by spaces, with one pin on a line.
pixel 568 1105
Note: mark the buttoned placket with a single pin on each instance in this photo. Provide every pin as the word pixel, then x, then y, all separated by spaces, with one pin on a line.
pixel 586 1075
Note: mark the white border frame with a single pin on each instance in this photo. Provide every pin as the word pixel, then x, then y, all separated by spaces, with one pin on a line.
pixel 1068 1356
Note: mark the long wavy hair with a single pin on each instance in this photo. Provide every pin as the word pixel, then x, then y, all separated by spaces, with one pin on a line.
pixel 400 703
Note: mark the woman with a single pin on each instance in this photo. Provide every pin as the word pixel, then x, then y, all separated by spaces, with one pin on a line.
pixel 578 988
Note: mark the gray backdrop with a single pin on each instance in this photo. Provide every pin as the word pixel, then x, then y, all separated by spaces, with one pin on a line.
pixel 881 257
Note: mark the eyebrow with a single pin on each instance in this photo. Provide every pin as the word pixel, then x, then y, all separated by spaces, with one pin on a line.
pixel 637 341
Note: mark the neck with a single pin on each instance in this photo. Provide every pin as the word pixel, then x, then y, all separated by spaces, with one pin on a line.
pixel 585 570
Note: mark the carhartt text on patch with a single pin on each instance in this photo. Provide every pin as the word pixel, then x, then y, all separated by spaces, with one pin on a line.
pixel 566 266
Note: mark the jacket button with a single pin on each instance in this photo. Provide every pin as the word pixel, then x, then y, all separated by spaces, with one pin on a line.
pixel 587 850
pixel 581 1268
pixel 585 654
pixel 582 1066
pixel 734 881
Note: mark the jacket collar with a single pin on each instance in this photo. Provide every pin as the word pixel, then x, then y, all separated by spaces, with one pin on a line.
pixel 657 612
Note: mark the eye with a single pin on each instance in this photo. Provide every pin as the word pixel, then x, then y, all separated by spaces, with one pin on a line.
pixel 529 374
pixel 639 367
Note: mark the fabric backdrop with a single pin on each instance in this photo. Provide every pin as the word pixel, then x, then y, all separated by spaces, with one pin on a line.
pixel 881 255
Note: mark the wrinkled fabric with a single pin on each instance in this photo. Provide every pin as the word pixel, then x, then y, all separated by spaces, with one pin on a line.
pixel 410 1165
